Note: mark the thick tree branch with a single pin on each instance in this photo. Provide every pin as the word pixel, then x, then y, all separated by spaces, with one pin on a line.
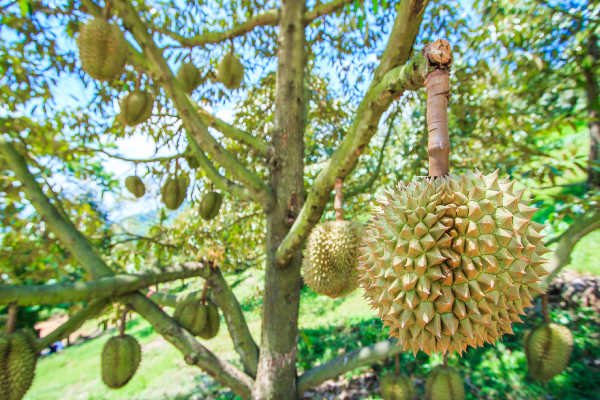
pixel 106 287
pixel 162 74
pixel 348 362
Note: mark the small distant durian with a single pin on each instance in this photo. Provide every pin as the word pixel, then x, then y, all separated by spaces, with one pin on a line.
pixel 331 258
pixel 102 49
pixel 191 159
pixel 210 205
pixel 174 191
pixel 18 358
pixel 230 71
pixel 444 383
pixel 396 387
pixel 211 329
pixel 120 359
pixel 548 348
pixel 136 107
pixel 135 185
pixel 192 314
pixel 189 76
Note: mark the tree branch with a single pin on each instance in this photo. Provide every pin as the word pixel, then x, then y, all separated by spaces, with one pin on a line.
pixel 347 362
pixel 106 287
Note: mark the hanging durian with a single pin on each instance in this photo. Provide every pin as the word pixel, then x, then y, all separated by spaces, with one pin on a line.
pixel 210 205
pixel 174 191
pixel 548 348
pixel 18 358
pixel 192 314
pixel 136 107
pixel 230 71
pixel 121 357
pixel 211 329
pixel 450 261
pixel 396 387
pixel 190 158
pixel 444 383
pixel 135 185
pixel 102 49
pixel 189 76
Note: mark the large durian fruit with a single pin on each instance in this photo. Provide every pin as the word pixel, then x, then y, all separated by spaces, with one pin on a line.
pixel 192 314
pixel 331 258
pixel 18 357
pixel 189 76
pixel 102 49
pixel 120 359
pixel 135 185
pixel 173 192
pixel 136 107
pixel 450 262
pixel 548 348
pixel 231 71
pixel 211 329
pixel 396 387
pixel 210 205
pixel 444 383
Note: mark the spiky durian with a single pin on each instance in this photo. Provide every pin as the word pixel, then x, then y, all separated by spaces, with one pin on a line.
pixel 135 185
pixel 331 258
pixel 451 262
pixel 230 71
pixel 102 49
pixel 444 383
pixel 210 205
pixel 18 357
pixel 548 348
pixel 120 359
pixel 136 107
pixel 174 191
pixel 189 76
pixel 396 387
pixel 213 323
pixel 192 314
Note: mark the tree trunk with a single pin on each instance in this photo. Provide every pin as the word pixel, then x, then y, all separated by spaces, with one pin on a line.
pixel 276 375
pixel 593 107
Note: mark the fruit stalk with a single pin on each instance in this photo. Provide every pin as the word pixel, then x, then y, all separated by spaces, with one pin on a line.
pixel 338 203
pixel 11 323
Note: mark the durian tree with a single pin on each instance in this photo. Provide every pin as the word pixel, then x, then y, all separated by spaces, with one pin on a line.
pixel 291 142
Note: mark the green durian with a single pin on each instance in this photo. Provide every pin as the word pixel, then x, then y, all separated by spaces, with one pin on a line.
pixel 120 359
pixel 213 323
pixel 192 314
pixel 231 71
pixel 135 185
pixel 136 107
pixel 189 76
pixel 191 159
pixel 174 191
pixel 548 348
pixel 396 387
pixel 331 258
pixel 444 383
pixel 210 205
pixel 102 49
pixel 18 358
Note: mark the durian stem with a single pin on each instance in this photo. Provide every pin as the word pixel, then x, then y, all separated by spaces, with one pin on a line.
pixel 11 323
pixel 205 291
pixel 545 308
pixel 437 84
pixel 123 323
pixel 445 359
pixel 397 363
pixel 338 203
pixel 106 10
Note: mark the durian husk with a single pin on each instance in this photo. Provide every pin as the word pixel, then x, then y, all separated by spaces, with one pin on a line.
pixel 548 349
pixel 174 191
pixel 191 313
pixel 189 76
pixel 444 383
pixel 136 107
pixel 211 329
pixel 18 358
pixel 102 49
pixel 210 205
pixel 230 71
pixel 396 387
pixel 135 185
pixel 331 258
pixel 451 262
pixel 120 359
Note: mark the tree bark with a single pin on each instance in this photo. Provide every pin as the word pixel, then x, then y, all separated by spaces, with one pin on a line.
pixel 593 106
pixel 276 376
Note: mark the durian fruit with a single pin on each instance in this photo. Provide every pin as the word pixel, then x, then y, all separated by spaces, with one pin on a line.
pixel 192 161
pixel 18 357
pixel 450 262
pixel 192 314
pixel 331 258
pixel 189 76
pixel 210 205
pixel 121 357
pixel 136 107
pixel 174 191
pixel 548 348
pixel 231 71
pixel 444 383
pixel 102 49
pixel 135 185
pixel 396 387
pixel 213 323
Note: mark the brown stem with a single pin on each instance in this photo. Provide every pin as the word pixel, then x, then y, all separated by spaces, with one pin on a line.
pixel 338 204
pixel 437 84
pixel 205 291
pixel 11 323
pixel 123 323
pixel 545 308
pixel 397 363
pixel 445 359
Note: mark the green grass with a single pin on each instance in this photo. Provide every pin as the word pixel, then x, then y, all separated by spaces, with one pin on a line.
pixel 586 257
